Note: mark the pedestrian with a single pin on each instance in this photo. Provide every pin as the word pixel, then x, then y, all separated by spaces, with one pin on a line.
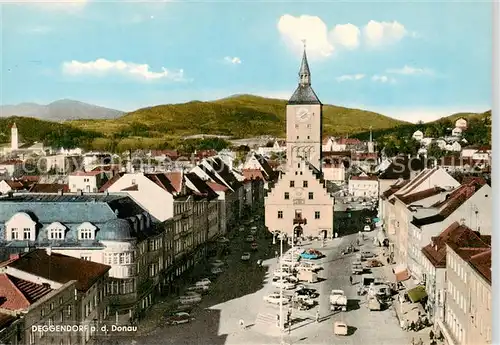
pixel 431 335
pixel 350 279
pixel 317 315
pixel 242 324
pixel 277 320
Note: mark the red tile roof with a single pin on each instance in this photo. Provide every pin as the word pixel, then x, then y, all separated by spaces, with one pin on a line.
pixel 364 178
pixel 417 196
pixel 86 173
pixel 48 188
pixel 251 174
pixel 162 180
pixel 29 178
pixel 456 236
pixel 176 180
pixel 393 189
pixel 10 296
pixel 61 268
pixel 217 187
pixel 14 185
pixel 110 182
pixel 482 263
pixel 11 162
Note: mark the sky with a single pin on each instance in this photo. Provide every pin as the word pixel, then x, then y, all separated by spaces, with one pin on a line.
pixel 409 60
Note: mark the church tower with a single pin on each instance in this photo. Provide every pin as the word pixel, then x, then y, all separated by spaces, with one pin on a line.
pixel 304 123
pixel 14 140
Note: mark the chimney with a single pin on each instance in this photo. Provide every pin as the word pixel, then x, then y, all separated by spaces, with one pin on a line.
pixel 60 192
pixel 49 251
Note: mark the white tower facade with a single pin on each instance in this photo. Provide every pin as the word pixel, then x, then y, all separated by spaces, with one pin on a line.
pixel 14 139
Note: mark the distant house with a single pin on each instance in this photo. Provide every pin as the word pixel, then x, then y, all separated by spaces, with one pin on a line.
pixel 89 181
pixel 456 132
pixel 364 186
pixel 461 123
pixel 418 135
pixel 10 168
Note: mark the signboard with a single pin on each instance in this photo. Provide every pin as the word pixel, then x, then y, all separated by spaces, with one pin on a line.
pixel 298 201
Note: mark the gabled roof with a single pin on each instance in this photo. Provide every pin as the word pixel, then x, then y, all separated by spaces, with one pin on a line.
pixel 482 263
pixel 48 188
pixel 162 181
pixel 251 174
pixel 202 187
pixel 401 167
pixel 224 172
pixel 394 188
pixel 14 185
pixel 175 180
pixel 110 182
pixel 217 187
pixel 18 294
pixel 265 166
pixel 61 268
pixel 456 236
pixel 424 194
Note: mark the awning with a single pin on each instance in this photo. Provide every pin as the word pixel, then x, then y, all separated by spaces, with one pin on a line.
pixel 402 276
pixel 417 293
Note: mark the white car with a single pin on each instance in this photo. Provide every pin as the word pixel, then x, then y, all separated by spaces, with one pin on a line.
pixel 279 273
pixel 216 270
pixel 340 328
pixel 286 285
pixel 189 299
pixel 250 238
pixel 274 298
pixel 203 282
pixel 367 228
pixel 245 256
pixel 217 263
pixel 312 266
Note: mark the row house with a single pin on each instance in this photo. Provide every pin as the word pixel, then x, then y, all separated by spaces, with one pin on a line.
pixel 469 204
pixel 435 261
pixel 222 180
pixel 257 161
pixel 53 271
pixel 188 214
pixel 25 304
pixel 364 186
pixel 468 307
pixel 101 228
pixel 253 181
pixel 427 188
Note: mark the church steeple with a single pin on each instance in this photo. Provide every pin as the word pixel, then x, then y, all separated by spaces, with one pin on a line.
pixel 304 72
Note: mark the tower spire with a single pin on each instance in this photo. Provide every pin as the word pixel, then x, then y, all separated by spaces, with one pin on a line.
pixel 304 73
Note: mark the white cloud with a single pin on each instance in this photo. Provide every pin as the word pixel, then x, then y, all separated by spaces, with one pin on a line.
pixel 232 60
pixel 382 33
pixel 310 28
pixel 102 67
pixel 348 77
pixel 59 5
pixel 383 79
pixel 38 30
pixel 346 35
pixel 408 70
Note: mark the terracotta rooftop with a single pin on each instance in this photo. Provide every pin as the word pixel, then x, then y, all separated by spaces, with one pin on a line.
pixel 60 268
pixel 482 263
pixel 175 180
pixel 251 174
pixel 393 189
pixel 424 194
pixel 110 182
pixel 364 178
pixel 19 294
pixel 217 187
pixel 14 185
pixel 456 236
pixel 48 188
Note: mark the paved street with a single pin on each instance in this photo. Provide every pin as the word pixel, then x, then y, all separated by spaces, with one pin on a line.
pixel 238 294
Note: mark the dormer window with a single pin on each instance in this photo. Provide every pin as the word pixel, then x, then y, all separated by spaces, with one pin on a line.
pixel 56 231
pixel 86 231
pixel 20 227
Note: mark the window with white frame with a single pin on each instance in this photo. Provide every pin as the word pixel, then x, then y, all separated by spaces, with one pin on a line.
pixel 26 234
pixel 86 231
pixel 14 234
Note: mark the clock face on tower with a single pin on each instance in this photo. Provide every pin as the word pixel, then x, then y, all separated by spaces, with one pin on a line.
pixel 303 115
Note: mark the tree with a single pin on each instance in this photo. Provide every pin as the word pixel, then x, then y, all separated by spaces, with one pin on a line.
pixel 434 151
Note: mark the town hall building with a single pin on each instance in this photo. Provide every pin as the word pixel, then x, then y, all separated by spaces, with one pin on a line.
pixel 299 203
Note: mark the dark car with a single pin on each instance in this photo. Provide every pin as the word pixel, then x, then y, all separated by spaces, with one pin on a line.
pixel 178 318
pixel 308 292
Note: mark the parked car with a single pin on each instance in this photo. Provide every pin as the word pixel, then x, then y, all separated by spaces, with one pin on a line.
pixel 203 282
pixel 216 270
pixel 340 328
pixel 245 256
pixel 178 318
pixel 189 299
pixel 274 298
pixel 223 240
pixel 217 263
pixel 284 284
pixel 311 293
pixel 250 238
